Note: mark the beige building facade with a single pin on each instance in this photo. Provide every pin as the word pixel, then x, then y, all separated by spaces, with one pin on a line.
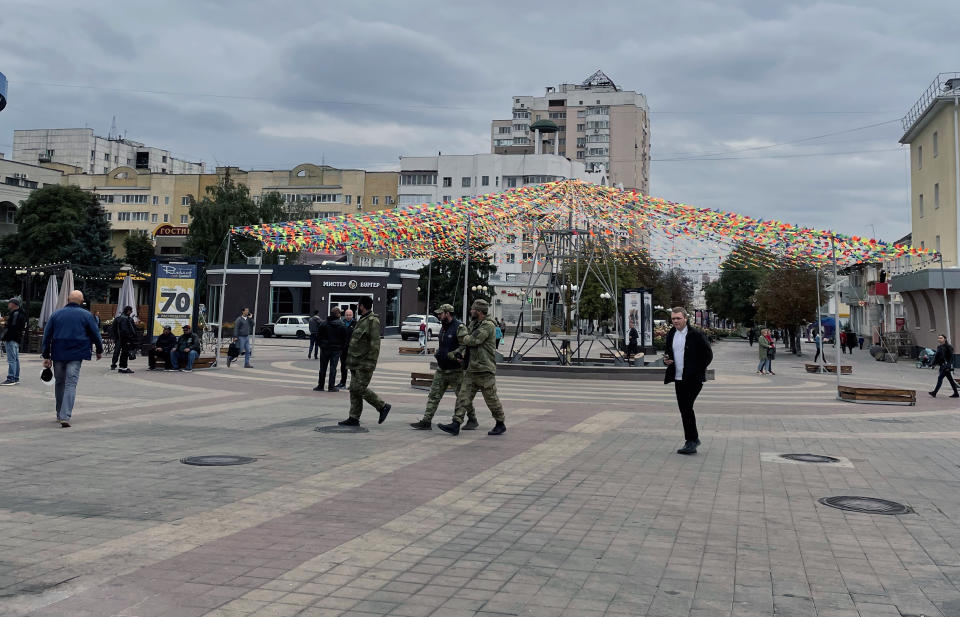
pixel 593 122
pixel 17 181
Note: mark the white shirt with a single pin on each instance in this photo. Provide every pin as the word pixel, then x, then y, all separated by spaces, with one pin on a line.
pixel 679 341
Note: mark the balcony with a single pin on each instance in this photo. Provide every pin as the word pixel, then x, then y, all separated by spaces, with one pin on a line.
pixel 945 84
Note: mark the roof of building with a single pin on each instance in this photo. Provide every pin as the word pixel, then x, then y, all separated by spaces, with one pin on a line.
pixel 943 91
pixel 544 126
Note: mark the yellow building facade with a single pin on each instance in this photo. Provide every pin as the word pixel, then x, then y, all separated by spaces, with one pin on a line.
pixel 158 205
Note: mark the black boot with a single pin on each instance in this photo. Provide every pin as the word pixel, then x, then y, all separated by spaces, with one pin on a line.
pixel 453 428
pixel 421 425
pixel 689 447
pixel 349 422
pixel 498 429
pixel 383 413
pixel 471 424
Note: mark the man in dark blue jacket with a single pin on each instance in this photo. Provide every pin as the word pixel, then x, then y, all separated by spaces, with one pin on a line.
pixel 67 338
pixel 331 339
pixel 12 336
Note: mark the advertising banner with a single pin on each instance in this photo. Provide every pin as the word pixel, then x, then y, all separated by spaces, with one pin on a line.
pixel 175 296
pixel 647 337
pixel 632 313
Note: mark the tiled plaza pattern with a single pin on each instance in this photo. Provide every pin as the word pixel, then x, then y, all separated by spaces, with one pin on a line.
pixel 581 509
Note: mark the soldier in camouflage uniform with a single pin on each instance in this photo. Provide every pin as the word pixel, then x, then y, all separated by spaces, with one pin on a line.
pixel 481 370
pixel 449 369
pixel 362 355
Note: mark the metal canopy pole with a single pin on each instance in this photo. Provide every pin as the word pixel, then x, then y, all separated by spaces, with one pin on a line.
pixel 466 271
pixel 823 358
pixel 223 295
pixel 256 300
pixel 946 308
pixel 429 280
pixel 836 312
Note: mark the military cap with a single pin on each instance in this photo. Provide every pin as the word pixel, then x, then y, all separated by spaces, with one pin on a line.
pixel 480 305
pixel 444 308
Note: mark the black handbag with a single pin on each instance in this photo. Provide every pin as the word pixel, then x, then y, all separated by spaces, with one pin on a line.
pixel 771 353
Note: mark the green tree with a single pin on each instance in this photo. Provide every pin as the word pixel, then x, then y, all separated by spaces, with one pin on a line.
pixel 731 296
pixel 140 251
pixel 787 298
pixel 446 280
pixel 92 253
pixel 675 287
pixel 592 306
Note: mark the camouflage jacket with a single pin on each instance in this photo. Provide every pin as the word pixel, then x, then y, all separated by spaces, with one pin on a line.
pixel 364 349
pixel 481 344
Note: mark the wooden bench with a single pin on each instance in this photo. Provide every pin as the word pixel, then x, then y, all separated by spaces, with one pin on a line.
pixel 421 379
pixel 417 351
pixel 845 369
pixel 857 394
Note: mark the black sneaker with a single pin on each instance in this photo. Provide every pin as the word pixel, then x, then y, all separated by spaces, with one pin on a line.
pixel 64 424
pixel 955 395
pixel 453 428
pixel 471 425
pixel 689 447
pixel 342 384
pixel 126 371
pixel 383 413
pixel 422 425
pixel 349 422
pixel 318 389
pixel 932 393
pixel 113 367
pixel 9 382
pixel 333 389
pixel 498 429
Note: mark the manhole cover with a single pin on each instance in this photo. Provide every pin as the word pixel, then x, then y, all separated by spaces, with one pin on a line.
pixel 341 429
pixel 217 460
pixel 867 505
pixel 810 458
pixel 891 420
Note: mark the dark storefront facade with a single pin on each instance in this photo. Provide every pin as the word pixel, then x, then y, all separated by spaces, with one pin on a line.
pixel 302 289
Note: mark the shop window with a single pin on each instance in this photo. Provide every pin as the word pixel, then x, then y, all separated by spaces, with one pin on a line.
pixel 393 308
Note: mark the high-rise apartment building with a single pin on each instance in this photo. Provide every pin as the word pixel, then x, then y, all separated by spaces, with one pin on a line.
pixel 82 149
pixel 593 122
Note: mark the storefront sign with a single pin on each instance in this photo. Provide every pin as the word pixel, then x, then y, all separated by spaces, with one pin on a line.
pixel 170 230
pixel 351 284
pixel 173 304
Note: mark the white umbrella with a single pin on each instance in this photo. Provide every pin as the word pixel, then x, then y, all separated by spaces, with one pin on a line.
pixel 66 287
pixel 127 297
pixel 49 300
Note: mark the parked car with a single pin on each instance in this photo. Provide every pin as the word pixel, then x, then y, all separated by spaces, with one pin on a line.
pixel 289 325
pixel 410 328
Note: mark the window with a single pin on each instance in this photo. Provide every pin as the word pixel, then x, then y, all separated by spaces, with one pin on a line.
pixel 109 216
pixel 920 204
pixel 528 257
pixel 521 114
pixel 349 199
pixel 562 141
pixel 185 200
pixel 923 244
pixel 156 200
pixel 166 200
pixel 497 181
pixel 504 129
pixel 938 244
pixel 359 201
pixel 153 218
pixel 447 181
pixel 581 127
pixel 166 218
pixel 465 182
pixel 106 157
pixel 183 219
pixel 581 142
pixel 598 139
pixel 598 124
pixel 521 141
pixel 484 180
pixel 133 199
pixel 105 169
pixel 511 239
pixel 557 115
pixel 446 199
pixel 123 216
pixel 140 216
pixel 936 144
pixel 511 182
pixel 418 179
pixel 511 258
pixel 919 157
pixel 93 154
pixel 936 197
pixel 163 159
pixel 116 159
pixel 522 128
pixel 375 200
pixel 105 199
pixel 579 154
pixel 388 199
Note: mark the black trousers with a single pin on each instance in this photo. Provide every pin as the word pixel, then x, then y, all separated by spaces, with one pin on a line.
pixel 687 392
pixel 945 373
pixel 343 366
pixel 123 348
pixel 328 357
pixel 155 353
pixel 817 355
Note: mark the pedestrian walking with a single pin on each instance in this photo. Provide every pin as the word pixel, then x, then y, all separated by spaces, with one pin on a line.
pixel 449 373
pixel 498 332
pixel 362 355
pixel 162 348
pixel 423 334
pixel 67 339
pixel 331 338
pixel 767 351
pixel 818 341
pixel 243 327
pixel 314 324
pixel 687 356
pixel 843 341
pixel 632 347
pixel 12 336
pixel 944 359
pixel 751 336
pixel 480 371
pixel 350 323
pixel 125 339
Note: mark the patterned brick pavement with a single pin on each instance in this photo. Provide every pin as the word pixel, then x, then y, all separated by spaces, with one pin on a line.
pixel 581 509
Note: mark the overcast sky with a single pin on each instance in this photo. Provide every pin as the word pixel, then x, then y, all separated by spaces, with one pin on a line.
pixel 360 83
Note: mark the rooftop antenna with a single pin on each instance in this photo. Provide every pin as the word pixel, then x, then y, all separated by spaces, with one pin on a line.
pixel 113 129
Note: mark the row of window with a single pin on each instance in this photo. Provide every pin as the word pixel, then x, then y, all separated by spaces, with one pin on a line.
pixel 936 150
pixel 317 198
pixel 417 179
pixel 139 199
pixel 936 199
pixel 144 217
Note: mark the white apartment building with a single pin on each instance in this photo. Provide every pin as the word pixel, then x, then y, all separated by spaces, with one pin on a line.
pixel 593 122
pixel 95 155
pixel 18 181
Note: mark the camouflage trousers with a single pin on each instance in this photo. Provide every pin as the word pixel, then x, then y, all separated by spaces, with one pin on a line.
pixel 360 392
pixel 441 381
pixel 485 383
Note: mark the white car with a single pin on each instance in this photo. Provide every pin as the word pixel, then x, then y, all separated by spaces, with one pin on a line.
pixel 292 325
pixel 410 328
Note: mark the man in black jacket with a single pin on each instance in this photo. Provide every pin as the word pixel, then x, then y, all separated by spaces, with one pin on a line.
pixel 351 323
pixel 687 355
pixel 332 339
pixel 166 342
pixel 125 337
pixel 12 336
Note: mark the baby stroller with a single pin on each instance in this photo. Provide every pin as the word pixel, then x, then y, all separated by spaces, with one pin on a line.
pixel 925 359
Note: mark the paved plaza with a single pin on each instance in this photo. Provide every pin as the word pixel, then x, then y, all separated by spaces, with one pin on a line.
pixel 582 509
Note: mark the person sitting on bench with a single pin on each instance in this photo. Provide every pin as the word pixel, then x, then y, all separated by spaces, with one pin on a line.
pixel 188 348
pixel 166 342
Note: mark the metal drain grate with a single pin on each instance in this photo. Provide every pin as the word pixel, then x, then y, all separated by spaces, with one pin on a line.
pixel 810 458
pixel 866 505
pixel 341 429
pixel 217 460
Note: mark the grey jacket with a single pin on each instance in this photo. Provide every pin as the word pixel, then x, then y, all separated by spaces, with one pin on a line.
pixel 243 326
